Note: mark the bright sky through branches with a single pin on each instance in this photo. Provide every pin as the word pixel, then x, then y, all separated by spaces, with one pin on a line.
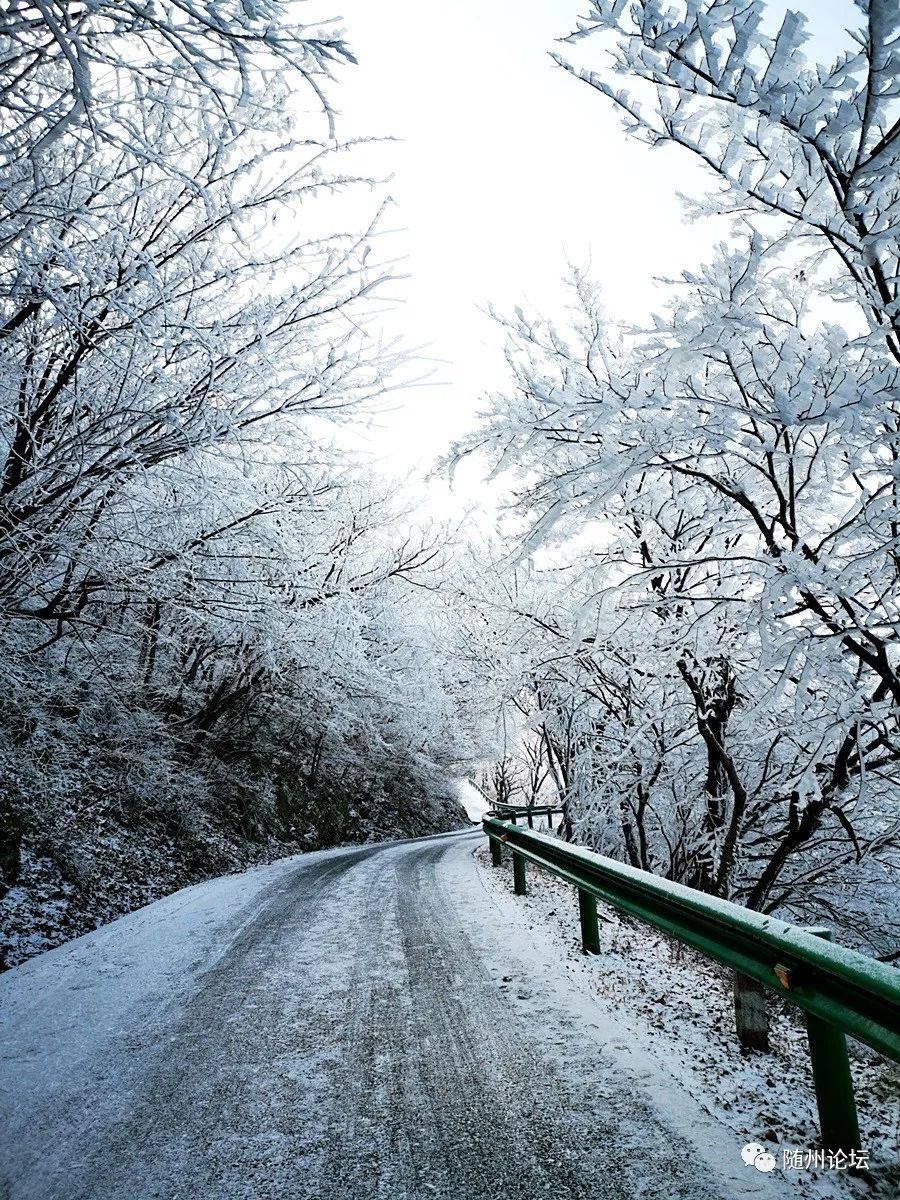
pixel 506 169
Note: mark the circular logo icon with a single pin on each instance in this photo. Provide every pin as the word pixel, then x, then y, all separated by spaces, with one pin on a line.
pixel 757 1156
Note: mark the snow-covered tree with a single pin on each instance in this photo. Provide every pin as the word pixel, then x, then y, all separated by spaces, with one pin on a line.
pixel 213 619
pixel 86 70
pixel 816 147
pixel 725 482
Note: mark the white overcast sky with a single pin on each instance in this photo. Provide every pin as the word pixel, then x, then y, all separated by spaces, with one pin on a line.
pixel 505 169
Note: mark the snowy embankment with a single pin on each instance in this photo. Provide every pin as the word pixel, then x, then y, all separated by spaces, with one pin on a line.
pixel 674 1008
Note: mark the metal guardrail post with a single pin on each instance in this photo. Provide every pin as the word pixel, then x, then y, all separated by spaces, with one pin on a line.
pixel 518 874
pixel 838 1120
pixel 496 852
pixel 587 915
pixel 751 1017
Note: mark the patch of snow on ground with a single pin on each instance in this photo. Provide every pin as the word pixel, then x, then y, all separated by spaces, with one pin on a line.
pixel 472 800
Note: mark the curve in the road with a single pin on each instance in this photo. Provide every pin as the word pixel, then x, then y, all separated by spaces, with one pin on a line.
pixel 347 1036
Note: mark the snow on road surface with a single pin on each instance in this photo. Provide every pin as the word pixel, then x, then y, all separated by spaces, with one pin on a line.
pixel 362 1023
pixel 474 802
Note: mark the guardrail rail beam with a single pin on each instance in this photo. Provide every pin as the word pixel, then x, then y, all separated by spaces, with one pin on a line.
pixel 840 991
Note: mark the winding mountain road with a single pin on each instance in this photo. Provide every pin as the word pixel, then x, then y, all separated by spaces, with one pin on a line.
pixel 356 1024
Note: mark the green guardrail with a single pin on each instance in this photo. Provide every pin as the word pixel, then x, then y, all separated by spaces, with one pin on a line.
pixel 527 812
pixel 840 991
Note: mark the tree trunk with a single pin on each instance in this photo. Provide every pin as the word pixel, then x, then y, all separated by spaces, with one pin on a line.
pixel 712 687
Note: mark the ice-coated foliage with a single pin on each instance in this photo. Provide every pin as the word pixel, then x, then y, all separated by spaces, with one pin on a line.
pixel 715 625
pixel 85 70
pixel 815 145
pixel 212 639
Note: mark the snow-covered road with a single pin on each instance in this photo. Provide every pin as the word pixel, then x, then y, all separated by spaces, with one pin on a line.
pixel 364 1023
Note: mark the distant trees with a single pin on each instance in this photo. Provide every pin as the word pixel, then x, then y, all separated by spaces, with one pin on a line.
pixel 723 486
